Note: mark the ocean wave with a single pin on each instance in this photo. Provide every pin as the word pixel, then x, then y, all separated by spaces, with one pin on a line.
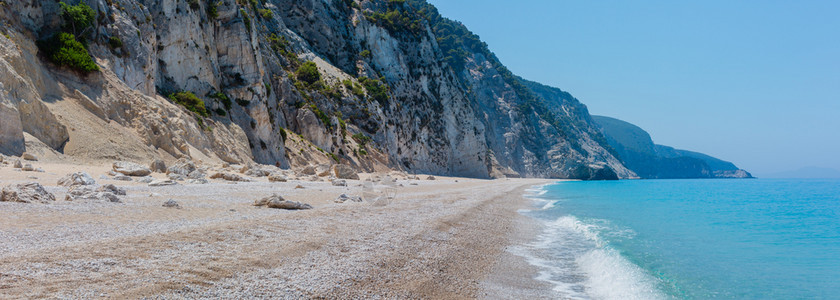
pixel 575 257
pixel 535 193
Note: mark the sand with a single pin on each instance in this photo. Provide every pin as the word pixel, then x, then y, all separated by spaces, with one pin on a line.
pixel 440 239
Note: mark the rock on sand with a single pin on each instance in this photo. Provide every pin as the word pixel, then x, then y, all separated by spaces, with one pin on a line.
pixel 26 193
pixel 78 178
pixel 131 169
pixel 345 172
pixel 276 201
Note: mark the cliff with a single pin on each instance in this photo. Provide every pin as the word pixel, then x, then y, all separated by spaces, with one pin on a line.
pixel 397 87
pixel 637 151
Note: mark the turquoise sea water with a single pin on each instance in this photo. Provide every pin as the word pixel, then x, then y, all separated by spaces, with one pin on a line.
pixel 689 239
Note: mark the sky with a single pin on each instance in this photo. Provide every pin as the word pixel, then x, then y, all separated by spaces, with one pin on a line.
pixel 752 82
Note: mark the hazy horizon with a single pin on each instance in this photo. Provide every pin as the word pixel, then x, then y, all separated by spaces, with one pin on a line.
pixel 752 82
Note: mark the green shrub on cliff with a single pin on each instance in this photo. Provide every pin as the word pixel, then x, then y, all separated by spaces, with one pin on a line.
pixel 376 89
pixel 64 50
pixel 115 42
pixel 189 101
pixel 212 9
pixel 308 73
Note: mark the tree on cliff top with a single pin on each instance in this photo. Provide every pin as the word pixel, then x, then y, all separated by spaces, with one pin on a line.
pixel 77 17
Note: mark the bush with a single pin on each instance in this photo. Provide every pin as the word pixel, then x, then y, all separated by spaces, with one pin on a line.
pixel 64 50
pixel 115 42
pixel 354 88
pixel 376 89
pixel 194 4
pixel 77 17
pixel 243 102
pixel 321 115
pixel 246 18
pixel 308 72
pixel 361 139
pixel 365 54
pixel 283 134
pixel 212 9
pixel 189 101
pixel 265 13
pixel 223 98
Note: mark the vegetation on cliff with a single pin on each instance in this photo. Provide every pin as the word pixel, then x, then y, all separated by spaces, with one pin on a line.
pixel 63 48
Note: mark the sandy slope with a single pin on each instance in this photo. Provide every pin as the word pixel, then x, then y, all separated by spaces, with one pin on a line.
pixel 437 239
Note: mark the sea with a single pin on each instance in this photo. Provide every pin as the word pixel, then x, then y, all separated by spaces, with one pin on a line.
pixel 688 239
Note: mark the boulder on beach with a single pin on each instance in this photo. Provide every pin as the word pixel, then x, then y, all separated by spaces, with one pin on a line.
pixel 113 189
pixel 431 177
pixel 344 198
pixel 162 182
pixel 131 169
pixel 345 172
pixel 323 170
pixel 26 193
pixel 229 177
pixel 277 178
pixel 277 201
pixel 158 166
pixel 182 167
pixel 339 182
pixel 28 168
pixel 78 178
pixel 146 179
pixel 308 170
pixel 18 164
pixel 197 174
pixel 171 204
pixel 122 178
pixel 29 156
pixel 256 171
pixel 197 181
pixel 84 192
pixel 176 177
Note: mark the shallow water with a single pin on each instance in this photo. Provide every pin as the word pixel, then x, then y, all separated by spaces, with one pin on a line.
pixel 689 239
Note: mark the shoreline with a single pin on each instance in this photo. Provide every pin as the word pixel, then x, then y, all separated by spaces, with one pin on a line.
pixel 447 238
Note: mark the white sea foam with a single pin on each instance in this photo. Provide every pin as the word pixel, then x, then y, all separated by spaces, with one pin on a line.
pixel 573 256
pixel 535 193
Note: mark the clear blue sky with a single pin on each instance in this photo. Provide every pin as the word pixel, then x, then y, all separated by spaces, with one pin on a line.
pixel 753 82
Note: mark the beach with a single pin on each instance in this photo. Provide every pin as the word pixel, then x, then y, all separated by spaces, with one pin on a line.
pixel 442 238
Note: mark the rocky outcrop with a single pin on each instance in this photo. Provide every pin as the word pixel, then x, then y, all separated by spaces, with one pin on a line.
pixel 649 160
pixel 11 130
pixel 26 193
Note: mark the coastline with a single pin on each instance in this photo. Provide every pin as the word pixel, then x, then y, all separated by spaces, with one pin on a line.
pixel 446 238
pixel 513 277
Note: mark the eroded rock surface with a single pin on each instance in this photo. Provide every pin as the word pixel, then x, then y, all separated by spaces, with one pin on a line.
pixel 26 193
